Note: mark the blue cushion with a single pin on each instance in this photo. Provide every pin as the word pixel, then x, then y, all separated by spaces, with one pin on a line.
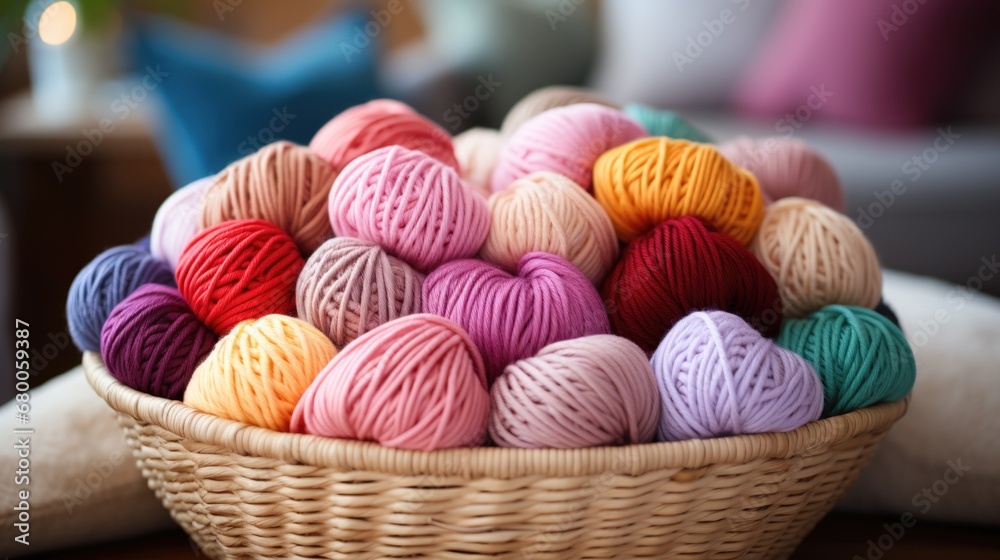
pixel 222 98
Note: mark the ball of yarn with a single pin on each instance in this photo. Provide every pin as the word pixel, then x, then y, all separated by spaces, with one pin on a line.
pixel 549 213
pixel 545 99
pixel 513 317
pixel 860 356
pixel 477 151
pixel 642 183
pixel 103 284
pixel 584 392
pixel 152 342
pixel 818 257
pixel 682 266
pixel 411 204
pixel 719 377
pixel 239 270
pixel 282 183
pixel 566 140
pixel 348 287
pixel 413 383
pixel 177 221
pixel 258 372
pixel 377 124
pixel 787 167
pixel 658 122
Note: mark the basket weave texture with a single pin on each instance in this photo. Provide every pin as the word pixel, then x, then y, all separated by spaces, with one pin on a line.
pixel 243 492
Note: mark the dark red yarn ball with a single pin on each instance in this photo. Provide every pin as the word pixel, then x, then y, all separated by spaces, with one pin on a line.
pixel 239 270
pixel 152 342
pixel 683 266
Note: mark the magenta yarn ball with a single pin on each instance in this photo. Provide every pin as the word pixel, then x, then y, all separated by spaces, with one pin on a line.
pixel 718 376
pixel 511 317
pixel 567 140
pixel 414 206
pixel 152 342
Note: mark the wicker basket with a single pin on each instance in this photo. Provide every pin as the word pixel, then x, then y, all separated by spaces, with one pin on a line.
pixel 246 492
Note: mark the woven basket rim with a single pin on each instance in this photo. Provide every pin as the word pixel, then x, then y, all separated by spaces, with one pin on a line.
pixel 470 463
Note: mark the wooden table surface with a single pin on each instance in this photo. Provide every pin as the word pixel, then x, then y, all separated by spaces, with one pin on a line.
pixel 838 537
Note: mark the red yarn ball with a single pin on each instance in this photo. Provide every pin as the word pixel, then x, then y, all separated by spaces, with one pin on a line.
pixel 682 266
pixel 239 270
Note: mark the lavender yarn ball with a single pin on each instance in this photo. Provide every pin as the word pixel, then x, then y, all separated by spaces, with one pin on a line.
pixel 177 221
pixel 152 342
pixel 719 377
pixel 103 284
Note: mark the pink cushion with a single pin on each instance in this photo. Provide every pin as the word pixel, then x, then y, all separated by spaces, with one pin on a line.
pixel 876 62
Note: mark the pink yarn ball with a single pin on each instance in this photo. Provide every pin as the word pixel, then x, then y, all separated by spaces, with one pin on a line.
pixel 411 204
pixel 513 317
pixel 377 124
pixel 787 167
pixel 567 140
pixel 177 221
pixel 416 382
pixel 584 392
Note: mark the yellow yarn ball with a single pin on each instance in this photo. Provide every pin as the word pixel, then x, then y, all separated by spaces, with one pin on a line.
pixel 257 373
pixel 650 180
pixel 548 212
pixel 817 256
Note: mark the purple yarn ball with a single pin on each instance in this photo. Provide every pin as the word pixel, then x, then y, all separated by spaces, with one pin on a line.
pixel 103 284
pixel 512 317
pixel 718 377
pixel 152 342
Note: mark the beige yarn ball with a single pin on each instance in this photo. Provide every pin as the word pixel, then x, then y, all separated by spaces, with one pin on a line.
pixel 477 151
pixel 817 256
pixel 349 286
pixel 548 212
pixel 546 98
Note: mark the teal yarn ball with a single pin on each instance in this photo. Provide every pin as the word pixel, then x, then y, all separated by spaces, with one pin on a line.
pixel 658 122
pixel 860 356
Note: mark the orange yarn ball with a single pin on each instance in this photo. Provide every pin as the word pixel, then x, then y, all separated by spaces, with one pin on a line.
pixel 257 373
pixel 284 184
pixel 650 180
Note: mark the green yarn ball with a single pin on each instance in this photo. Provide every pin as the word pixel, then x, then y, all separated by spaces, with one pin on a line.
pixel 860 356
pixel 665 123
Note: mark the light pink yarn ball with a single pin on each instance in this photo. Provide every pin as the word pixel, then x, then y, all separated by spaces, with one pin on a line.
pixel 413 383
pixel 412 205
pixel 550 213
pixel 177 221
pixel 584 392
pixel 567 140
pixel 477 150
pixel 787 167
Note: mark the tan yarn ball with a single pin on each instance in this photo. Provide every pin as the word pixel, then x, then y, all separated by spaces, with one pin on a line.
pixel 477 151
pixel 282 183
pixel 349 286
pixel 548 212
pixel 551 97
pixel 817 256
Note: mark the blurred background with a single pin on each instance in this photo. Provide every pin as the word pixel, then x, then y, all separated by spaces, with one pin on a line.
pixel 106 106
